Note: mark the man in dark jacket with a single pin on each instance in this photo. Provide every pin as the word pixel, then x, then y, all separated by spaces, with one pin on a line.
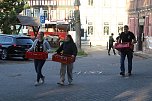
pixel 126 36
pixel 111 41
pixel 69 48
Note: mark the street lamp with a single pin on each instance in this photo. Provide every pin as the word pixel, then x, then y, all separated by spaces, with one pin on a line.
pixel 77 23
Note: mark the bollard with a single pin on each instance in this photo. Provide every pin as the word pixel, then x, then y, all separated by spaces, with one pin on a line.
pixel 90 44
pixel 107 45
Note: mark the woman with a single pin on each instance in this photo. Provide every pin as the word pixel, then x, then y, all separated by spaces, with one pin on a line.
pixel 69 48
pixel 40 45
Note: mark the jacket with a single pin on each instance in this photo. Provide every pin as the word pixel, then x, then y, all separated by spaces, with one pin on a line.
pixel 68 48
pixel 46 46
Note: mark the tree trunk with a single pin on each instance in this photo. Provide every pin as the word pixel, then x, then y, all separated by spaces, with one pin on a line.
pixel 77 29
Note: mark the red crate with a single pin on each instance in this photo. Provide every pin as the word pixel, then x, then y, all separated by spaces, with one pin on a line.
pixel 36 55
pixel 125 45
pixel 66 59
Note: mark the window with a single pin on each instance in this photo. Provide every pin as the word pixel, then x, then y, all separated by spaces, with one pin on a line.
pixel 120 27
pixel 2 38
pixel 8 40
pixel 90 30
pixel 46 14
pixel 37 2
pixel 106 28
pixel 28 12
pixel 36 13
pixel 23 41
pixel 107 3
pixel 53 15
pixel 90 2
pixel 42 2
pixel 62 14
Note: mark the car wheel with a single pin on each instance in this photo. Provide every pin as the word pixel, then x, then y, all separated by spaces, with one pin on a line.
pixel 4 55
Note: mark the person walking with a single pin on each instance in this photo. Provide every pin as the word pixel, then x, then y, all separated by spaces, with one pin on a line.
pixel 40 45
pixel 111 41
pixel 69 48
pixel 117 40
pixel 118 37
pixel 126 36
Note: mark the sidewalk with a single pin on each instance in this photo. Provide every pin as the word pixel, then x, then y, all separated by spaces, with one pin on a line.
pixel 147 53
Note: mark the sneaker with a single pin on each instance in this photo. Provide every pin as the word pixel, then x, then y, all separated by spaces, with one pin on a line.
pixel 36 83
pixel 42 79
pixel 122 73
pixel 70 83
pixel 61 83
pixel 129 74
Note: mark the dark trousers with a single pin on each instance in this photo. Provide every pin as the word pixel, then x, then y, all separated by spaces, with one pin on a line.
pixel 38 68
pixel 129 55
pixel 111 46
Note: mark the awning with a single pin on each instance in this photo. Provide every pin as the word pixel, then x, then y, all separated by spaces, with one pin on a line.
pixel 28 21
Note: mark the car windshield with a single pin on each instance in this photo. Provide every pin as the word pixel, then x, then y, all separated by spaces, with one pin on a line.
pixel 24 41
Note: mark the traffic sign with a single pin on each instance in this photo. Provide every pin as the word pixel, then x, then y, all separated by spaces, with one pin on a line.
pixel 42 19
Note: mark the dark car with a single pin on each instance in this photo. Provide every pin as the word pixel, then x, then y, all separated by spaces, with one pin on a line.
pixel 0 49
pixel 14 45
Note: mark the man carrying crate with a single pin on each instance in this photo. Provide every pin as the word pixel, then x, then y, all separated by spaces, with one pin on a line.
pixel 126 37
pixel 68 48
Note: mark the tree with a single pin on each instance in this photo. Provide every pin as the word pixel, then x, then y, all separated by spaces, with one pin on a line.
pixel 9 9
pixel 77 24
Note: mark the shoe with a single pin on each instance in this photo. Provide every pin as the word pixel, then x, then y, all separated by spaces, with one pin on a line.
pixel 36 83
pixel 108 53
pixel 61 83
pixel 122 73
pixel 114 53
pixel 70 83
pixel 129 74
pixel 42 79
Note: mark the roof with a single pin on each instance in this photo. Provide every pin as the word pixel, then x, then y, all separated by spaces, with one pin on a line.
pixel 28 21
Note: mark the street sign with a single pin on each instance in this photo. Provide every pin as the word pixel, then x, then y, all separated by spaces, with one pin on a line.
pixel 42 19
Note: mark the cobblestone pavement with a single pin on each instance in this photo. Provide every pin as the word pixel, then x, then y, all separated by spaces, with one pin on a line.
pixel 96 78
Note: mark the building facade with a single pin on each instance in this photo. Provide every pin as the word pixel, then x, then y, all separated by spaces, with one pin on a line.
pixel 53 9
pixel 140 20
pixel 99 18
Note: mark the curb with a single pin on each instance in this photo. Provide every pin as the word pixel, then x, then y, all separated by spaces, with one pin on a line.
pixel 143 55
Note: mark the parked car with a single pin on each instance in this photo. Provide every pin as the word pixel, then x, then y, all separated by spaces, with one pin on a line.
pixel 0 49
pixel 14 45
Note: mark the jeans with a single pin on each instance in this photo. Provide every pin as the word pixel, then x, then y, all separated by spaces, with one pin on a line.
pixel 129 55
pixel 38 68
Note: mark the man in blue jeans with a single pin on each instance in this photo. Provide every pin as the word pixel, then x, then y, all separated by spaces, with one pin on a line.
pixel 126 36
